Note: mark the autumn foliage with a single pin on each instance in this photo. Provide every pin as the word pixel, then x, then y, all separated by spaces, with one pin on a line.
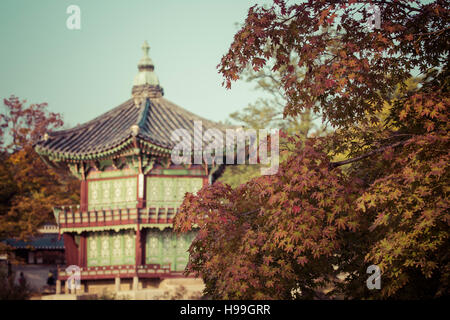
pixel 313 228
pixel 28 187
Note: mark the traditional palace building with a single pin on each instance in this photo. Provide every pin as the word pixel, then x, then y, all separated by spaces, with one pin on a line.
pixel 130 189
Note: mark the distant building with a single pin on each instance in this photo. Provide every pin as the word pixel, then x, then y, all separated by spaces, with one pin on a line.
pixel 45 248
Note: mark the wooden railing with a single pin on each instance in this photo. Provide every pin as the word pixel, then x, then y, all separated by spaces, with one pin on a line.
pixel 73 217
pixel 122 271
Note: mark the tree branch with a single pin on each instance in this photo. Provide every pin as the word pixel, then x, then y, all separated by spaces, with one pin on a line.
pixel 366 155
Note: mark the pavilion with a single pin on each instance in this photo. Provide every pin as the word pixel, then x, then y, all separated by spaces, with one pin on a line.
pixel 120 234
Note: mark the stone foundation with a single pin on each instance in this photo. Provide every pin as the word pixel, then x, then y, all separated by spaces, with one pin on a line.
pixel 135 289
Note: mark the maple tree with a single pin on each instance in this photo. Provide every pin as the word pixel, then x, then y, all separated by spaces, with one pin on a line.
pixel 267 112
pixel 315 226
pixel 28 187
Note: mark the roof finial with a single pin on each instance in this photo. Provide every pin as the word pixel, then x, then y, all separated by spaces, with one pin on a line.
pixel 146 83
pixel 145 48
pixel 145 62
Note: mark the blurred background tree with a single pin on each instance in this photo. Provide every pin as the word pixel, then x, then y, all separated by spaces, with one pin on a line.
pixel 28 187
pixel 265 113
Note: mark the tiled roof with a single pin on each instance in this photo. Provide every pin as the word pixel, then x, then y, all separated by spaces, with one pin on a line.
pixel 111 132
pixel 44 241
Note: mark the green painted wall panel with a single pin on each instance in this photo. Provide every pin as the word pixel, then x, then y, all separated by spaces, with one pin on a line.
pixel 164 247
pixel 111 248
pixel 170 191
pixel 116 193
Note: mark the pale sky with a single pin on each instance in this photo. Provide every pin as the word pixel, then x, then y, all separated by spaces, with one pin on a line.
pixel 84 73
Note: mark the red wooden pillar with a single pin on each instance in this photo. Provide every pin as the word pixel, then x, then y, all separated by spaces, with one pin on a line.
pixel 143 235
pixel 82 250
pixel 83 195
pixel 71 250
pixel 138 247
